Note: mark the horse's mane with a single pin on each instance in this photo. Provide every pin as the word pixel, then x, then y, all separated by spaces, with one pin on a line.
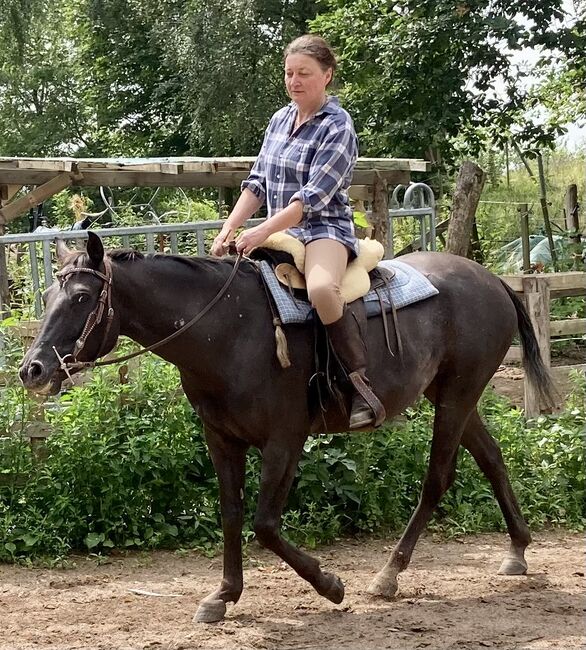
pixel 129 255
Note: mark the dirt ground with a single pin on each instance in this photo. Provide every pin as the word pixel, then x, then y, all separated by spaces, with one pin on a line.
pixel 450 597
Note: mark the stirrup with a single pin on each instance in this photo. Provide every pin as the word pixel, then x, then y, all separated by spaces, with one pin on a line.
pixel 369 398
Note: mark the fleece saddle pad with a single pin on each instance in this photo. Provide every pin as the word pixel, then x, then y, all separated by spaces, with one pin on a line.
pixel 407 286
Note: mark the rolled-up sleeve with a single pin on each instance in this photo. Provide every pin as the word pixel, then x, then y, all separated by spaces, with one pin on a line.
pixel 330 171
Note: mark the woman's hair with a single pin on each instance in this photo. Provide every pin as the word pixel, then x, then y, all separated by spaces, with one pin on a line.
pixel 314 46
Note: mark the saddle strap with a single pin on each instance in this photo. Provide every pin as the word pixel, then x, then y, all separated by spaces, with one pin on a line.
pixel 371 399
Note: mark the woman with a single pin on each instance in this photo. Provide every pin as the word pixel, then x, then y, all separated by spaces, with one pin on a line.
pixel 302 173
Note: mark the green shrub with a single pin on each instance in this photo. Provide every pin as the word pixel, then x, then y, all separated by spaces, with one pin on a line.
pixel 126 466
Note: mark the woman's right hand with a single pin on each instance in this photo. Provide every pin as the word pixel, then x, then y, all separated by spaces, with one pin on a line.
pixel 220 243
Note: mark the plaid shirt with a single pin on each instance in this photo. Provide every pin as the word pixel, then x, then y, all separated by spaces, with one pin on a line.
pixel 313 165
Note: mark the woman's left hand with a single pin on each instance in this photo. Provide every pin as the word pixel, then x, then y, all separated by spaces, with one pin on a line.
pixel 251 238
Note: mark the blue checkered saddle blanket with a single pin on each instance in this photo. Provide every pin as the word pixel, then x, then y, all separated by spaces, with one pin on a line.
pixel 406 287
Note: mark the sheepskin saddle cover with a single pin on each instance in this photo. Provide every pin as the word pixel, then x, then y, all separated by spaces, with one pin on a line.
pixel 356 282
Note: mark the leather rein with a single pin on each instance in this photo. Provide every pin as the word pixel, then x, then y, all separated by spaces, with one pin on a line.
pixel 105 306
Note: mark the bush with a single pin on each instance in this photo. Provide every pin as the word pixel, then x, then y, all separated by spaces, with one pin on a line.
pixel 126 466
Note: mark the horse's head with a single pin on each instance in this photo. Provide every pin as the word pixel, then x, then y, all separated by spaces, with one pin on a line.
pixel 79 319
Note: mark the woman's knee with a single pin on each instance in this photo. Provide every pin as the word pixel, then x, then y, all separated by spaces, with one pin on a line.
pixel 327 300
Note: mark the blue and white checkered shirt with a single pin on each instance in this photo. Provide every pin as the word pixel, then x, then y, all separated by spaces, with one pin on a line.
pixel 313 165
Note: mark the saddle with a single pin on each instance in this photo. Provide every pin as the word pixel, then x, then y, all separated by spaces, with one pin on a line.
pixel 287 255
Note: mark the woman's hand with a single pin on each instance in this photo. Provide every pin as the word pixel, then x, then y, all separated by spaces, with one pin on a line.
pixel 249 239
pixel 220 243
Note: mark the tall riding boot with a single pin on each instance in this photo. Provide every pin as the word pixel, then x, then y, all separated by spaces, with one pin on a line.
pixel 348 343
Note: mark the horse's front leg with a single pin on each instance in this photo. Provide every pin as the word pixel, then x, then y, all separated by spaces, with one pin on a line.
pixel 229 458
pixel 278 469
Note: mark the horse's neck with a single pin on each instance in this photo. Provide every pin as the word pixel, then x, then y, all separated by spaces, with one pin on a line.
pixel 155 299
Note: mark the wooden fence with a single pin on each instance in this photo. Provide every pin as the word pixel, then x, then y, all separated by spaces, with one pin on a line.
pixel 537 292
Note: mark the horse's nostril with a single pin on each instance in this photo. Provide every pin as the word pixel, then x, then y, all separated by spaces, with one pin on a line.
pixel 35 370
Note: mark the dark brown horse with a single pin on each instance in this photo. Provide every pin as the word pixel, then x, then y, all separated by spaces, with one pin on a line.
pixel 453 344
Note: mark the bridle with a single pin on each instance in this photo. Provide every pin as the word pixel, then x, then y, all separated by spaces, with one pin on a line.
pixel 104 305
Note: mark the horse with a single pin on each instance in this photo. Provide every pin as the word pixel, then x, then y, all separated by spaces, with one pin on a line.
pixel 453 343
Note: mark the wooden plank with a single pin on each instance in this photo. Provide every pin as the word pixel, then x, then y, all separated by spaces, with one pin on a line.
pixel 171 168
pixel 567 327
pixel 133 178
pixel 514 354
pixel 360 192
pixel 558 282
pixel 24 329
pixel 560 372
pixel 54 165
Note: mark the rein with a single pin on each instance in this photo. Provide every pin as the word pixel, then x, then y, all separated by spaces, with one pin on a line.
pixel 95 317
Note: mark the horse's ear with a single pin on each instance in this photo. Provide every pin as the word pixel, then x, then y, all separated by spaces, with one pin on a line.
pixel 95 248
pixel 62 250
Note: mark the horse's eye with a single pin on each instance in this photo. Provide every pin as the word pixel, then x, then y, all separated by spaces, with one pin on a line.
pixel 82 297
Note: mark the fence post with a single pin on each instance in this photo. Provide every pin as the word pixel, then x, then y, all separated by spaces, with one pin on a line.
pixel 523 210
pixel 380 213
pixel 573 223
pixel 537 299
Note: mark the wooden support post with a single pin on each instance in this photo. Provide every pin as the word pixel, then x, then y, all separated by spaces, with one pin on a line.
pixel 523 211
pixel 380 213
pixel 537 298
pixel 573 223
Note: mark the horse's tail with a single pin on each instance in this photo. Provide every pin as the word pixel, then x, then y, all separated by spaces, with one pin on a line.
pixel 535 370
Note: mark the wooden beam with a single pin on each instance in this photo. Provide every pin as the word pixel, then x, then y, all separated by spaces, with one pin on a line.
pixel 9 212
pixel 560 284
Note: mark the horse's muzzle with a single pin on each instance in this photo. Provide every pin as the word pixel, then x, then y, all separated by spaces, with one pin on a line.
pixel 35 376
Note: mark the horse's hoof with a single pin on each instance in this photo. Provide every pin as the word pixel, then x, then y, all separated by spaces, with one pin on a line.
pixel 333 588
pixel 383 586
pixel 513 566
pixel 210 611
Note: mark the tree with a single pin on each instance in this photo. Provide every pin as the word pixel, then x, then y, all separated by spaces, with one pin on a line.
pixel 418 73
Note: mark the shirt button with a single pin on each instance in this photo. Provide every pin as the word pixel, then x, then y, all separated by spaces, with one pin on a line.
pixel 278 176
pixel 275 197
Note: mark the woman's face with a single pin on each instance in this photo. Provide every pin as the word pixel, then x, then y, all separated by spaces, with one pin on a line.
pixel 305 80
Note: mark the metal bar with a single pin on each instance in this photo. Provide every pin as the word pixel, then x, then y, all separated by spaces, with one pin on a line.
pixel 150 242
pixel 119 232
pixel 32 251
pixel 200 242
pixel 174 246
pixel 126 241
pixel 47 266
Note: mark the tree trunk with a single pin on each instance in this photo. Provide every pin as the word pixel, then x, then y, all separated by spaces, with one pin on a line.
pixel 466 196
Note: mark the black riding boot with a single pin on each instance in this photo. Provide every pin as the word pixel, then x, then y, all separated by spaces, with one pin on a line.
pixel 348 343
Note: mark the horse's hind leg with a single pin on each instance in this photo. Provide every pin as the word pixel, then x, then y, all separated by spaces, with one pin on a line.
pixel 450 417
pixel 278 469
pixel 229 458
pixel 487 454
